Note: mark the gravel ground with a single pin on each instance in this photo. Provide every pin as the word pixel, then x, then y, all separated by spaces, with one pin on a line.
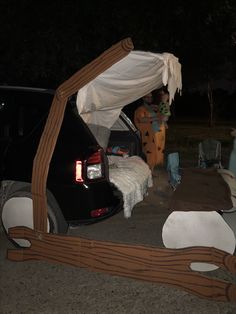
pixel 42 287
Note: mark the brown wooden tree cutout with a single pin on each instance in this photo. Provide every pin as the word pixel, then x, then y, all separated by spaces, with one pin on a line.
pixel 167 266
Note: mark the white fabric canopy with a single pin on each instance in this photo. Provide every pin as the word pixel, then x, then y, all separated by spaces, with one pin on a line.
pixel 100 101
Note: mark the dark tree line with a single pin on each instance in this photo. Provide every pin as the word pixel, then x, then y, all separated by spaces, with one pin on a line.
pixel 45 42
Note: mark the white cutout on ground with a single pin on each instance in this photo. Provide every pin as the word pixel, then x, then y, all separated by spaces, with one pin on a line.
pixel 230 179
pixel 18 212
pixel 184 229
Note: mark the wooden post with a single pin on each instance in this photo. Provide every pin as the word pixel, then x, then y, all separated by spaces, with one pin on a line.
pixel 53 124
pixel 160 265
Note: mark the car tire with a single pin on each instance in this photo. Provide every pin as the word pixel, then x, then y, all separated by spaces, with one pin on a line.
pixel 17 210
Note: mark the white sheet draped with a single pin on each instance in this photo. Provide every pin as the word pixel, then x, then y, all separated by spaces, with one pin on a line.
pixel 132 176
pixel 100 101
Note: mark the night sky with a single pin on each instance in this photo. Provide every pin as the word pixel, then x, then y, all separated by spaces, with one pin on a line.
pixel 44 42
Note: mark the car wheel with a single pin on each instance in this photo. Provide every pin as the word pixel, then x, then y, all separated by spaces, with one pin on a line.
pixel 17 210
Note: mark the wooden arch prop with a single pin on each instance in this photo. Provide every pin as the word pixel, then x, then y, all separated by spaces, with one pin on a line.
pixel 167 266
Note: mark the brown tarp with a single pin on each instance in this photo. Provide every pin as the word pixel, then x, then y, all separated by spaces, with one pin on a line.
pixel 201 190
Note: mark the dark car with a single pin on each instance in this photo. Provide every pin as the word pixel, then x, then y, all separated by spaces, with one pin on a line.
pixel 78 186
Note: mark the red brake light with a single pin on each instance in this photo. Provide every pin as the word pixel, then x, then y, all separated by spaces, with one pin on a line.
pixel 99 212
pixel 96 158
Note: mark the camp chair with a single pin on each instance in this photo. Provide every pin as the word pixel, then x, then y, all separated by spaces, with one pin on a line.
pixel 209 154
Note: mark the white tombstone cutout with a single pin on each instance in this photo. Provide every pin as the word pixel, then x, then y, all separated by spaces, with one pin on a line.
pixel 230 219
pixel 18 211
pixel 230 179
pixel 184 229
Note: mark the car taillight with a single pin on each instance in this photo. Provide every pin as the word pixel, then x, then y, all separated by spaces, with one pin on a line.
pixel 94 166
pixel 78 171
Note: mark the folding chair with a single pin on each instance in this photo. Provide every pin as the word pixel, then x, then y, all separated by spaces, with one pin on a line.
pixel 209 154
